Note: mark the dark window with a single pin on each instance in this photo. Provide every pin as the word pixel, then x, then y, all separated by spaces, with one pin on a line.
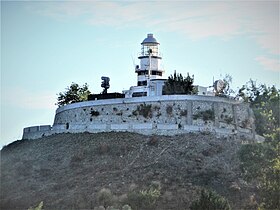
pixel 139 94
pixel 142 72
pixel 157 73
pixel 142 83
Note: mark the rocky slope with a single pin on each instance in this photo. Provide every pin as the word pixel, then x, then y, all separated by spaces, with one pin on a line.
pixel 67 171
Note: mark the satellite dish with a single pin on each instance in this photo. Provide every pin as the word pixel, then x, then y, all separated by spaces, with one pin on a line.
pixel 219 86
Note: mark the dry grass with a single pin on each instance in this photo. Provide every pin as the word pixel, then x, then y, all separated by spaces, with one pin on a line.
pixel 66 171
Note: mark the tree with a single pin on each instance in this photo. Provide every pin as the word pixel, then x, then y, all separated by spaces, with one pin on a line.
pixel 261 162
pixel 73 94
pixel 227 83
pixel 265 103
pixel 177 84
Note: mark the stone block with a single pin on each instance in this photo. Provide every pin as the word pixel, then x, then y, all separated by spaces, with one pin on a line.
pixel 77 126
pixel 45 127
pixel 143 126
pixel 167 126
pixel 26 130
pixel 120 126
pixel 97 127
pixel 191 128
pixel 59 127
pixel 34 129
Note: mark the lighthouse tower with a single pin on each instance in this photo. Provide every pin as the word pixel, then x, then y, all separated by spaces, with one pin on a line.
pixel 149 72
pixel 150 62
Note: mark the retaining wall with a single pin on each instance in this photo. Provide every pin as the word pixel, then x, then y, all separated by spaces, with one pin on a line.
pixel 160 115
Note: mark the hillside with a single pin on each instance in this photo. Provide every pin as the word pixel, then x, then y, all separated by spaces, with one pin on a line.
pixel 68 171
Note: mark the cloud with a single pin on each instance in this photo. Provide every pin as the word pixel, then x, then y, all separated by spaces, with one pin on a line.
pixel 23 98
pixel 197 20
pixel 269 63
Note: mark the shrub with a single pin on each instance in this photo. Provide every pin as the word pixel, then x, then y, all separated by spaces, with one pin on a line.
pixel 105 197
pixel 126 207
pixel 39 207
pixel 169 110
pixel 205 115
pixel 210 200
pixel 143 199
pixel 184 113
pixel 144 110
pixel 228 119
pixel 94 113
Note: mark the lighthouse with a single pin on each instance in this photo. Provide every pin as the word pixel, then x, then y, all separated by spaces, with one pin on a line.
pixel 150 61
pixel 149 72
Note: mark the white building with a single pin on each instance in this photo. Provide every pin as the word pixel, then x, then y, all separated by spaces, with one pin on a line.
pixel 150 71
pixel 149 74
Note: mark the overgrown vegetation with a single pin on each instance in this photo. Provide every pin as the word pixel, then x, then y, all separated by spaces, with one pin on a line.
pixel 94 113
pixel 136 199
pixel 210 200
pixel 144 110
pixel 169 110
pixel 143 199
pixel 177 84
pixel 105 197
pixel 39 207
pixel 260 163
pixel 205 115
pixel 74 93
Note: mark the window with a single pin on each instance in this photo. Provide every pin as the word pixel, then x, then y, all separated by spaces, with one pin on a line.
pixel 142 72
pixel 142 83
pixel 156 73
pixel 139 94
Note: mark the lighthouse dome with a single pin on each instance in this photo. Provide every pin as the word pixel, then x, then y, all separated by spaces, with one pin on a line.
pixel 150 39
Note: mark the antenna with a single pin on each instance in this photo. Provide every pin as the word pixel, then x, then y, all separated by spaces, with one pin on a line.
pixel 105 84
pixel 133 61
pixel 213 84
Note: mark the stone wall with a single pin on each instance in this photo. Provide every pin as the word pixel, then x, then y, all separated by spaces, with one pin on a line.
pixel 162 115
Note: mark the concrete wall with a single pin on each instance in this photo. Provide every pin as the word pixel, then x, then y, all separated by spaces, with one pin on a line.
pixel 162 115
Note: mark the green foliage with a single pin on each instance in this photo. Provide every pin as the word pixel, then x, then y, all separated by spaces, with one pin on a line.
pixel 210 200
pixel 265 102
pixel 126 207
pixel 254 160
pixel 227 82
pixel 205 115
pixel 143 199
pixel 144 110
pixel 177 84
pixel 73 94
pixel 105 197
pixel 261 162
pixel 39 207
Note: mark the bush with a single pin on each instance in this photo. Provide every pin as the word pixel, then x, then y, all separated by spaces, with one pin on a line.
pixel 169 110
pixel 105 197
pixel 205 115
pixel 144 110
pixel 39 207
pixel 143 199
pixel 210 200
pixel 94 113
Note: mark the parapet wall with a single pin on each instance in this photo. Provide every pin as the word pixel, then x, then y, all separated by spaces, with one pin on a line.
pixel 160 115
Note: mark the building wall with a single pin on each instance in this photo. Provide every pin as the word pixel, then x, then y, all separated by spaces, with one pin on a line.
pixel 162 115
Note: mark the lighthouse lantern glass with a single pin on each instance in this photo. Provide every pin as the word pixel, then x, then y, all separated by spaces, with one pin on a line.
pixel 146 47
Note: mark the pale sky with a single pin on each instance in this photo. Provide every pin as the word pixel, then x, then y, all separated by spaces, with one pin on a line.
pixel 47 45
